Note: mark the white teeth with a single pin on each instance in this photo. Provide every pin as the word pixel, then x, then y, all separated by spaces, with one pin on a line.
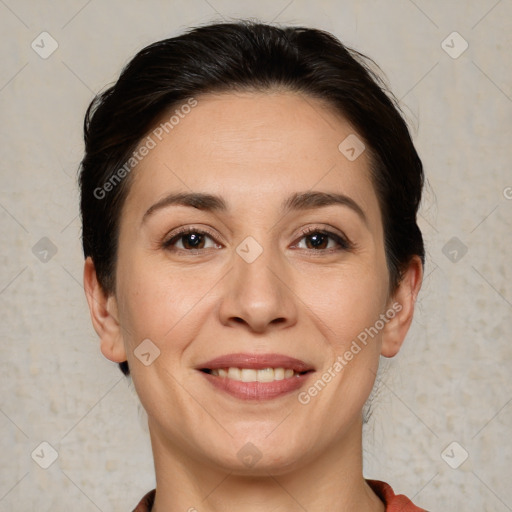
pixel 265 375
pixel 252 375
pixel 249 375
pixel 234 373
pixel 278 373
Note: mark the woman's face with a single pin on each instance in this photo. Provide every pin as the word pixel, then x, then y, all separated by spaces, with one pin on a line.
pixel 282 261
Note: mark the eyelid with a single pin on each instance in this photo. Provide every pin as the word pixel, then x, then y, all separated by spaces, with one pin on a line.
pixel 177 233
pixel 343 241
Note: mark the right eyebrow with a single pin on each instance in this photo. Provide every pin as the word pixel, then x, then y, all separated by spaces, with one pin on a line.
pixel 208 202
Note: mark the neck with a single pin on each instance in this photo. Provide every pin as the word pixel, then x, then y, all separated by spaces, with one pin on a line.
pixel 331 481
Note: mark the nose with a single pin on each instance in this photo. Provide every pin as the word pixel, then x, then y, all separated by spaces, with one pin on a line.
pixel 258 295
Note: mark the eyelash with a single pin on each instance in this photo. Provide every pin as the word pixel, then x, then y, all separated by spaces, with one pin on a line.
pixel 343 242
pixel 168 244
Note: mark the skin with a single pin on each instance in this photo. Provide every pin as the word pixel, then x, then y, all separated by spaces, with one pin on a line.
pixel 255 150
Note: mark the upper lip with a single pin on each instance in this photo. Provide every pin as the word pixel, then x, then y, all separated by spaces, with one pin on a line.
pixel 256 362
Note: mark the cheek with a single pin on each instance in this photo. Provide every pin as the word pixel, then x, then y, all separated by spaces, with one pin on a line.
pixel 345 301
pixel 155 301
pixel 346 306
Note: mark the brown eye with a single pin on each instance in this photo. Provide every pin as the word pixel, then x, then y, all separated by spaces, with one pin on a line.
pixel 189 240
pixel 192 241
pixel 319 240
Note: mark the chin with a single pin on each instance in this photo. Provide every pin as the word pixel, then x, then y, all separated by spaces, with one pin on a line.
pixel 259 455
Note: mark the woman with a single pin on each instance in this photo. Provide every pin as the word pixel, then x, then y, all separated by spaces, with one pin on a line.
pixel 249 200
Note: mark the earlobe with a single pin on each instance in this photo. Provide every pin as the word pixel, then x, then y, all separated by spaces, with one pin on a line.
pixel 402 302
pixel 104 315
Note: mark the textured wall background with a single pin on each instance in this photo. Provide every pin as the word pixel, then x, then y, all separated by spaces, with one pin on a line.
pixel 452 381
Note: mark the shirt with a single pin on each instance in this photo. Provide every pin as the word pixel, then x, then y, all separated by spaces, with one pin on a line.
pixel 394 502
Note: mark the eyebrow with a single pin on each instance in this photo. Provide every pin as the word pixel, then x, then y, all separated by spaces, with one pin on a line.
pixel 296 202
pixel 313 199
pixel 207 202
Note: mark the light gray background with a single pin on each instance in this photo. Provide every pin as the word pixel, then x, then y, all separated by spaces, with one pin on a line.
pixel 451 382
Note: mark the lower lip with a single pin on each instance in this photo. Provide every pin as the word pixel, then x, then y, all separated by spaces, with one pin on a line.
pixel 257 390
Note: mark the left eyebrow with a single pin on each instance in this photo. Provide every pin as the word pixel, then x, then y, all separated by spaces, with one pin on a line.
pixel 314 199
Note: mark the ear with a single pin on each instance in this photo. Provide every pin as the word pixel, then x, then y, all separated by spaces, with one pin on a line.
pixel 104 315
pixel 402 303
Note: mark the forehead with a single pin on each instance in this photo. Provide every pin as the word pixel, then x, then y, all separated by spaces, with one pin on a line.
pixel 251 147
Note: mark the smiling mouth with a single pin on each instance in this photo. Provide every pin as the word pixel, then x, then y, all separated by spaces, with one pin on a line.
pixel 254 375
